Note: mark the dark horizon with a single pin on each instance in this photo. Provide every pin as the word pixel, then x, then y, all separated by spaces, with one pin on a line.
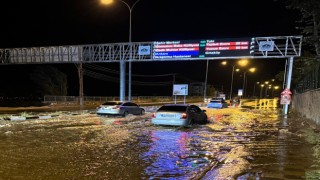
pixel 35 23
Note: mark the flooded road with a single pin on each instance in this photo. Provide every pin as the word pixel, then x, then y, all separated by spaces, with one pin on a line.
pixel 93 147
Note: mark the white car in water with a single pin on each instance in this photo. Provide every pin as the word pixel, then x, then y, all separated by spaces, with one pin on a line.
pixel 179 115
pixel 120 108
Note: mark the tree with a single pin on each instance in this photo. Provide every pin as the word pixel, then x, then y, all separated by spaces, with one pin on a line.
pixel 49 80
pixel 211 91
pixel 309 24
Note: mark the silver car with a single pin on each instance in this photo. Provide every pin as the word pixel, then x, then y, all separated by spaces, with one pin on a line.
pixel 218 103
pixel 179 115
pixel 119 108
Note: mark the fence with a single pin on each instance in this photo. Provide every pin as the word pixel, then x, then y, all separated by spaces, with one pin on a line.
pixel 310 82
pixel 101 99
pixel 260 103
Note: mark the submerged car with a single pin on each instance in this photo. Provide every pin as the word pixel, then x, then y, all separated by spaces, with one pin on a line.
pixel 120 108
pixel 179 115
pixel 218 103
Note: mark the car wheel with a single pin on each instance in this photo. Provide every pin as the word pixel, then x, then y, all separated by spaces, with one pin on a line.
pixel 142 112
pixel 205 120
pixel 191 122
pixel 125 114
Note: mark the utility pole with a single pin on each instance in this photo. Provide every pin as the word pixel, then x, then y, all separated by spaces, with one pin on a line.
pixel 288 83
pixel 80 75
pixel 205 83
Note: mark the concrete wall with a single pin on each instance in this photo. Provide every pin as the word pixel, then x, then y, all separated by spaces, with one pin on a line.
pixel 308 104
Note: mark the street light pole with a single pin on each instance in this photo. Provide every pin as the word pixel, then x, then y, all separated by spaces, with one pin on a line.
pixel 244 80
pixel 231 82
pixel 254 89
pixel 266 91
pixel 243 62
pixel 205 83
pixel 130 42
pixel 261 88
pixel 122 60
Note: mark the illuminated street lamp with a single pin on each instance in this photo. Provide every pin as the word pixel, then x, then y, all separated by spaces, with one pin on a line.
pixel 130 8
pixel 254 88
pixel 106 2
pixel 274 88
pixel 242 62
pixel 251 70
pixel 266 92
pixel 261 88
pixel 225 63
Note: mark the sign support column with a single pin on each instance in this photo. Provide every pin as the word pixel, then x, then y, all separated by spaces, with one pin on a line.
pixel 205 83
pixel 288 83
pixel 122 80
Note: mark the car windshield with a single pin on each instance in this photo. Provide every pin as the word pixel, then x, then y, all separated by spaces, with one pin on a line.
pixel 112 103
pixel 173 108
pixel 215 101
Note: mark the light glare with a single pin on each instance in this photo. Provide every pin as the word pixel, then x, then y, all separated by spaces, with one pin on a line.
pixel 243 62
pixel 106 2
pixel 252 70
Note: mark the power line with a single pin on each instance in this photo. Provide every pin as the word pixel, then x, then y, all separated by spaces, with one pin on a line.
pixel 115 79
pixel 104 69
pixel 100 76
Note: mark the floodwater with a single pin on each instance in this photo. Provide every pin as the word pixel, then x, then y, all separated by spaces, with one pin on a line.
pixel 108 148
pixel 43 110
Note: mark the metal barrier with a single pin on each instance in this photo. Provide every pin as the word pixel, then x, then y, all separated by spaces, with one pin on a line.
pixel 101 99
pixel 260 103
pixel 310 82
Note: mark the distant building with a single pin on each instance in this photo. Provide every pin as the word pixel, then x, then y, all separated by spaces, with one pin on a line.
pixel 197 89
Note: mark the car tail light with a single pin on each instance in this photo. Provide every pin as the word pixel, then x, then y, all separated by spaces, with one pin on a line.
pixel 153 115
pixel 184 116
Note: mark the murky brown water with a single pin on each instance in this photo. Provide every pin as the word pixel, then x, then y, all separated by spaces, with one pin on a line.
pixel 98 148
pixel 279 156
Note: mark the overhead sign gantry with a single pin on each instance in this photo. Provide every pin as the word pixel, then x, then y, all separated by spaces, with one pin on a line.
pixel 232 48
pixel 206 49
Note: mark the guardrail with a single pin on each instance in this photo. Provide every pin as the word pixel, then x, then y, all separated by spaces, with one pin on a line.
pixel 310 82
pixel 260 103
pixel 101 99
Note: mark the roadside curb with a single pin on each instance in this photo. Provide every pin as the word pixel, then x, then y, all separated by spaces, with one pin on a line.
pixel 22 118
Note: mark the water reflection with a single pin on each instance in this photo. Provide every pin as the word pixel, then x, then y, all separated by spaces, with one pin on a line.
pixel 95 148
pixel 173 155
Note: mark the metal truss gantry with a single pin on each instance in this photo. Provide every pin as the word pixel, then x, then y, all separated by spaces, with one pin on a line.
pixel 284 47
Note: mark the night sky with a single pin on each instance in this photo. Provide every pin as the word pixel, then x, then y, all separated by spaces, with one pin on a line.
pixel 36 23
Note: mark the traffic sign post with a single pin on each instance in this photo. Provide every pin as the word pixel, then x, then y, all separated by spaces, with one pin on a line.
pixel 288 84
pixel 285 96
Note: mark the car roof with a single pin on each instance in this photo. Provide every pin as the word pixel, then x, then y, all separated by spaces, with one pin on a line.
pixel 217 98
pixel 176 105
pixel 113 102
pixel 119 101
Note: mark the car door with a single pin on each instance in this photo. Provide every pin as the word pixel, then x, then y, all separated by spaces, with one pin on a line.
pixel 135 108
pixel 199 114
pixel 224 104
pixel 126 107
pixel 194 113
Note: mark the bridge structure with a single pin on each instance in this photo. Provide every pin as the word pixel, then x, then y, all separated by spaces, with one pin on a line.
pixel 287 47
